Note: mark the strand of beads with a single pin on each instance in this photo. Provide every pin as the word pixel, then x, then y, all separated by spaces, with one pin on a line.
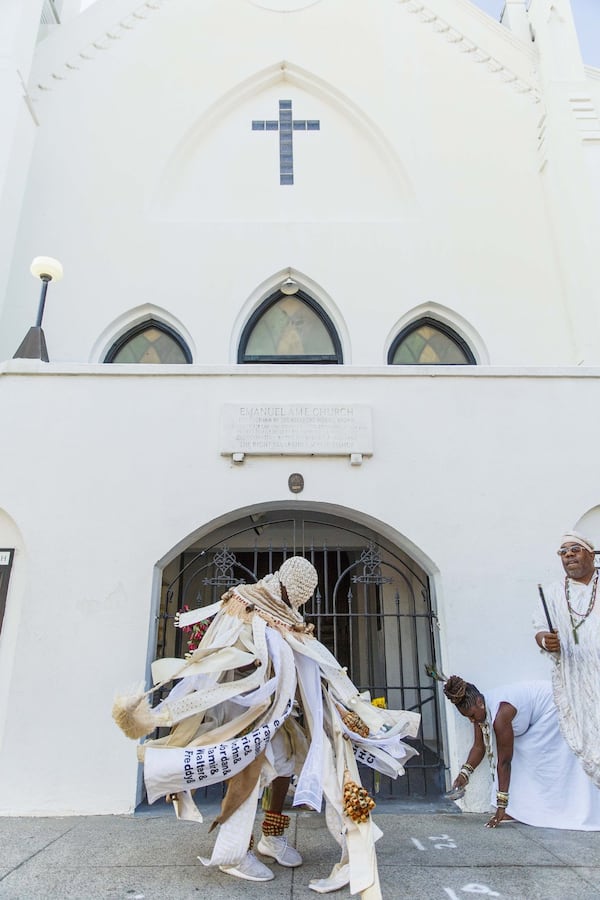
pixel 573 612
pixel 487 740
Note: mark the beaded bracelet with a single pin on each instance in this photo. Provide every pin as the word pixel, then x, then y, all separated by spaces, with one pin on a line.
pixel 274 824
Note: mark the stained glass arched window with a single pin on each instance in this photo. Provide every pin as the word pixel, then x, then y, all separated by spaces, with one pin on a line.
pixel 150 342
pixel 289 329
pixel 428 342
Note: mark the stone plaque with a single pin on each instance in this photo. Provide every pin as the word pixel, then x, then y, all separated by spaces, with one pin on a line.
pixel 296 429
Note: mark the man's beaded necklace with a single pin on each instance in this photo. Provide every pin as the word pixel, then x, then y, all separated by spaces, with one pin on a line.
pixel 573 612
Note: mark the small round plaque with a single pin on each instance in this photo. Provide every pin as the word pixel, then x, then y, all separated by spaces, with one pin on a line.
pixel 296 482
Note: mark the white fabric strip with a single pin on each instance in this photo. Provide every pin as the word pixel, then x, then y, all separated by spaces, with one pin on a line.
pixel 198 701
pixel 315 650
pixel 179 705
pixel 198 615
pixel 173 769
pixel 259 695
pixel 234 835
pixel 187 685
pixel 361 837
pixel 385 754
pixel 168 668
pixel 379 760
pixel 169 770
pixel 284 669
pixel 309 789
pixel 359 840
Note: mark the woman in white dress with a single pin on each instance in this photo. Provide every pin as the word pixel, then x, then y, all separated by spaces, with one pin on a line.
pixel 539 780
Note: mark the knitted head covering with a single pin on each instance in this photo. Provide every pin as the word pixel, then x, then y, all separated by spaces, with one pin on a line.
pixel 572 537
pixel 299 577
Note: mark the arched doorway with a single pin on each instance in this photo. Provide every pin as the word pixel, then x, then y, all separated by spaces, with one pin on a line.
pixel 372 609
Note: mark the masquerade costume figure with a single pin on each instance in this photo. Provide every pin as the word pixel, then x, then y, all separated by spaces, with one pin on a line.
pixel 233 717
pixel 538 780
pixel 573 645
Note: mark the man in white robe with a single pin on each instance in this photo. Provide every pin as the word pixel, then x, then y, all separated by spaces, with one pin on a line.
pixel 572 640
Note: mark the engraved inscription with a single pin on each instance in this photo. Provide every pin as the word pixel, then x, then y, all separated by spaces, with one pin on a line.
pixel 296 428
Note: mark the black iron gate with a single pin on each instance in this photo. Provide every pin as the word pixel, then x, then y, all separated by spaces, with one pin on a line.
pixel 372 609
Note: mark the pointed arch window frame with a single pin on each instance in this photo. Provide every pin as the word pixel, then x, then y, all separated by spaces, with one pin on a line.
pixel 439 326
pixel 139 328
pixel 333 359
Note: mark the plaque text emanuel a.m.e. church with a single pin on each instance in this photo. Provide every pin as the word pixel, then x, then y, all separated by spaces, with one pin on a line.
pixel 290 429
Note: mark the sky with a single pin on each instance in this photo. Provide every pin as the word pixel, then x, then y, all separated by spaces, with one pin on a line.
pixel 587 22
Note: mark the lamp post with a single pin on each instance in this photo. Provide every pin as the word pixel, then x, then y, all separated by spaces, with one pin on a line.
pixel 33 345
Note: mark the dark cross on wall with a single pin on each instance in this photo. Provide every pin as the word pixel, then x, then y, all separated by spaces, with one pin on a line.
pixel 286 126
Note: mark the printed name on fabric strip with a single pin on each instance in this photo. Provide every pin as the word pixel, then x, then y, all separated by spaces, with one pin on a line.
pixel 377 759
pixel 174 769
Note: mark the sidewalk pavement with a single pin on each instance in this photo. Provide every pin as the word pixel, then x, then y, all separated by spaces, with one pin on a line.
pixel 423 855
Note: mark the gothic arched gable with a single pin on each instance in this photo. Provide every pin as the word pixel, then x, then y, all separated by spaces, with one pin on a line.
pixel 232 162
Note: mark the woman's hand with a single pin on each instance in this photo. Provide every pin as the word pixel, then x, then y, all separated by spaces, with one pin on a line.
pixel 496 819
pixel 460 781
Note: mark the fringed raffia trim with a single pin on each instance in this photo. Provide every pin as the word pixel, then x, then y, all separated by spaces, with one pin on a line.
pixel 134 716
pixel 237 606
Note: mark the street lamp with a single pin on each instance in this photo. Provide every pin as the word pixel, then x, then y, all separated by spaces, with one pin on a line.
pixel 33 345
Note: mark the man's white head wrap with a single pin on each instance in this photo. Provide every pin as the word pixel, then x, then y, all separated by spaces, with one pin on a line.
pixel 299 578
pixel 572 537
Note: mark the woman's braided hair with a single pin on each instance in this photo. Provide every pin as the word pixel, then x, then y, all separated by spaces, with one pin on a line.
pixel 460 692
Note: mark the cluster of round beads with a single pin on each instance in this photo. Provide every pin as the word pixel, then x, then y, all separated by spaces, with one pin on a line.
pixel 357 802
pixel 275 824
pixel 353 722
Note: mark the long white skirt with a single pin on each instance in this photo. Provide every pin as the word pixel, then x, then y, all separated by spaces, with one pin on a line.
pixel 548 786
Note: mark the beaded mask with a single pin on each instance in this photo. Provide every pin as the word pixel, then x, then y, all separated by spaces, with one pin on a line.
pixel 299 577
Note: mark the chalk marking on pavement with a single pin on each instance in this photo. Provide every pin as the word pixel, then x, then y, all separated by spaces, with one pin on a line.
pixel 417 844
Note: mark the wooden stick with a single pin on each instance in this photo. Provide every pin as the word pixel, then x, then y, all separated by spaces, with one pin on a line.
pixel 543 599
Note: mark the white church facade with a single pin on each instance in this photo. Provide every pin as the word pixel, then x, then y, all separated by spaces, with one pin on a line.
pixel 330 287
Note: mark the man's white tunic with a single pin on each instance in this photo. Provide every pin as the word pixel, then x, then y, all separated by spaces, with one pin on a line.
pixel 576 669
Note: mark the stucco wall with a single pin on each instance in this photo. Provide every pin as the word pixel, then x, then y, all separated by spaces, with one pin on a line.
pixel 450 176
pixel 111 467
